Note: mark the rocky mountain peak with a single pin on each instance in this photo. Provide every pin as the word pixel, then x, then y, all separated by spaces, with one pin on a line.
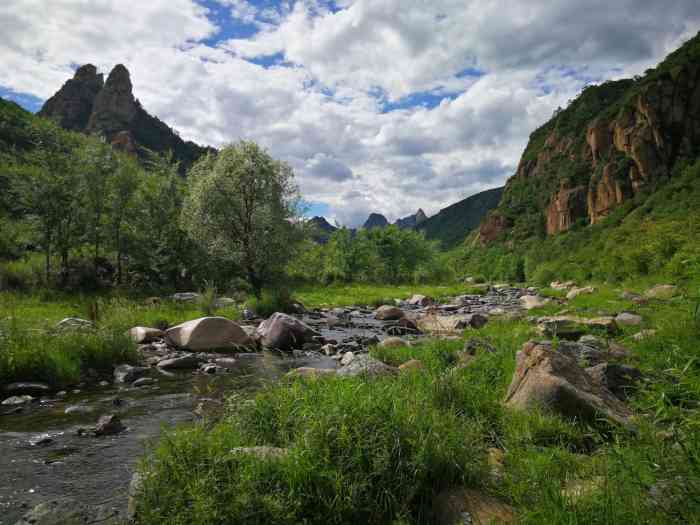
pixel 375 220
pixel 115 107
pixel 88 75
pixel 72 105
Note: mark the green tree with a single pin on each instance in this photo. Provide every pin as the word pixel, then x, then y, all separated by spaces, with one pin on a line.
pixel 123 204
pixel 242 208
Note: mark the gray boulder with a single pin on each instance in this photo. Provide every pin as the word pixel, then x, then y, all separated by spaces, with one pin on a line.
pixel 128 373
pixel 209 333
pixel 555 382
pixel 366 365
pixel 619 379
pixel 628 319
pixel 284 332
pixel 180 362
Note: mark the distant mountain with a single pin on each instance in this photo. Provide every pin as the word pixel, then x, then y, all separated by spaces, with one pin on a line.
pixel 321 229
pixel 412 221
pixel 375 220
pixel 89 104
pixel 451 225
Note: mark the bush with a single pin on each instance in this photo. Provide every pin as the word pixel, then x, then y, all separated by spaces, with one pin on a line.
pixel 278 300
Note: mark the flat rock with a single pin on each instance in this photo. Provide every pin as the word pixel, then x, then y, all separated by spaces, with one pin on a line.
pixel 26 388
pixel 73 323
pixel 284 332
pixel 575 292
pixel 661 291
pixel 144 381
pixel 209 333
pixel 555 382
pixel 17 400
pixel 393 342
pixel 628 319
pixel 463 506
pixel 420 300
pixel 185 296
pixel 570 327
pixel 181 362
pixel 561 286
pixel 310 372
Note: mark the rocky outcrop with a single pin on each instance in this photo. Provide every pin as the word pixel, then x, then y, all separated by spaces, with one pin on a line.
pixel 89 104
pixel 609 144
pixel 493 227
pixel 375 220
pixel 412 221
pixel 553 381
pixel 72 105
pixel 566 207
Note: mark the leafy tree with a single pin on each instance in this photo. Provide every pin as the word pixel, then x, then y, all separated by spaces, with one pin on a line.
pixel 123 204
pixel 242 208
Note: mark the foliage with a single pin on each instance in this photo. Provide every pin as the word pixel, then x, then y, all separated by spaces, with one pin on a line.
pixel 241 208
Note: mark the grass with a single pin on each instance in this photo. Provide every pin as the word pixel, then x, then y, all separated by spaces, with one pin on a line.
pixel 371 294
pixel 377 451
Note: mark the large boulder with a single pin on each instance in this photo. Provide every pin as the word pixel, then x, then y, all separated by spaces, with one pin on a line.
pixel 366 365
pixel 555 382
pixel 209 333
pixel 284 332
pixel 389 313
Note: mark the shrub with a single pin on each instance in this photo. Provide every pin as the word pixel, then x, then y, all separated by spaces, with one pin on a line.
pixel 277 300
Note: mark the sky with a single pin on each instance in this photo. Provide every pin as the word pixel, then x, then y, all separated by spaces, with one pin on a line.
pixel 379 105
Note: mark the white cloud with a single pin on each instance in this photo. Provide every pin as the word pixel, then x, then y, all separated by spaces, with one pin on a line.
pixel 324 112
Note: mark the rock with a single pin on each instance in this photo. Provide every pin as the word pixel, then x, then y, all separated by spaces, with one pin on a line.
pixel 210 368
pixel 144 381
pixel 583 354
pixel 42 440
pixel 226 362
pixel 389 313
pixel 411 366
pixel 209 333
pixel 619 379
pixel 79 409
pixel 393 342
pixel 109 425
pixel 329 349
pixel 565 207
pixel 556 285
pixel 475 321
pixel 67 511
pixel 181 362
pixel 530 302
pixel 261 452
pixel 631 296
pixel 628 319
pixel 475 345
pixel 555 382
pixel 421 300
pixel 366 365
pixel 661 291
pixel 142 334
pixel 185 297
pixel 575 292
pixel 577 489
pixel 135 488
pixel 644 334
pixel 18 400
pixel 284 332
pixel 128 373
pixel 311 373
pixel 463 506
pixel 570 327
pixel 223 302
pixel 26 388
pixel 594 341
pixel 347 358
pixel 71 105
pixel 73 323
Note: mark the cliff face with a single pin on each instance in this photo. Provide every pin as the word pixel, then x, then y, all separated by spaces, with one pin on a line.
pixel 89 104
pixel 72 105
pixel 612 142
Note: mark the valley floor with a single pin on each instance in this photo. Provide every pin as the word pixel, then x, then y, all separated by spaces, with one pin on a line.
pixel 431 442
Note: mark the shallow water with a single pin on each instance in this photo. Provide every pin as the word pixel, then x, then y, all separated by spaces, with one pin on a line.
pixel 98 469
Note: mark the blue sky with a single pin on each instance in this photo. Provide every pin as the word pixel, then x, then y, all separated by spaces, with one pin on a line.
pixel 379 105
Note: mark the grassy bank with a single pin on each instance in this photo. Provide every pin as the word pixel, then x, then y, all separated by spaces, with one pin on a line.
pixel 378 451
